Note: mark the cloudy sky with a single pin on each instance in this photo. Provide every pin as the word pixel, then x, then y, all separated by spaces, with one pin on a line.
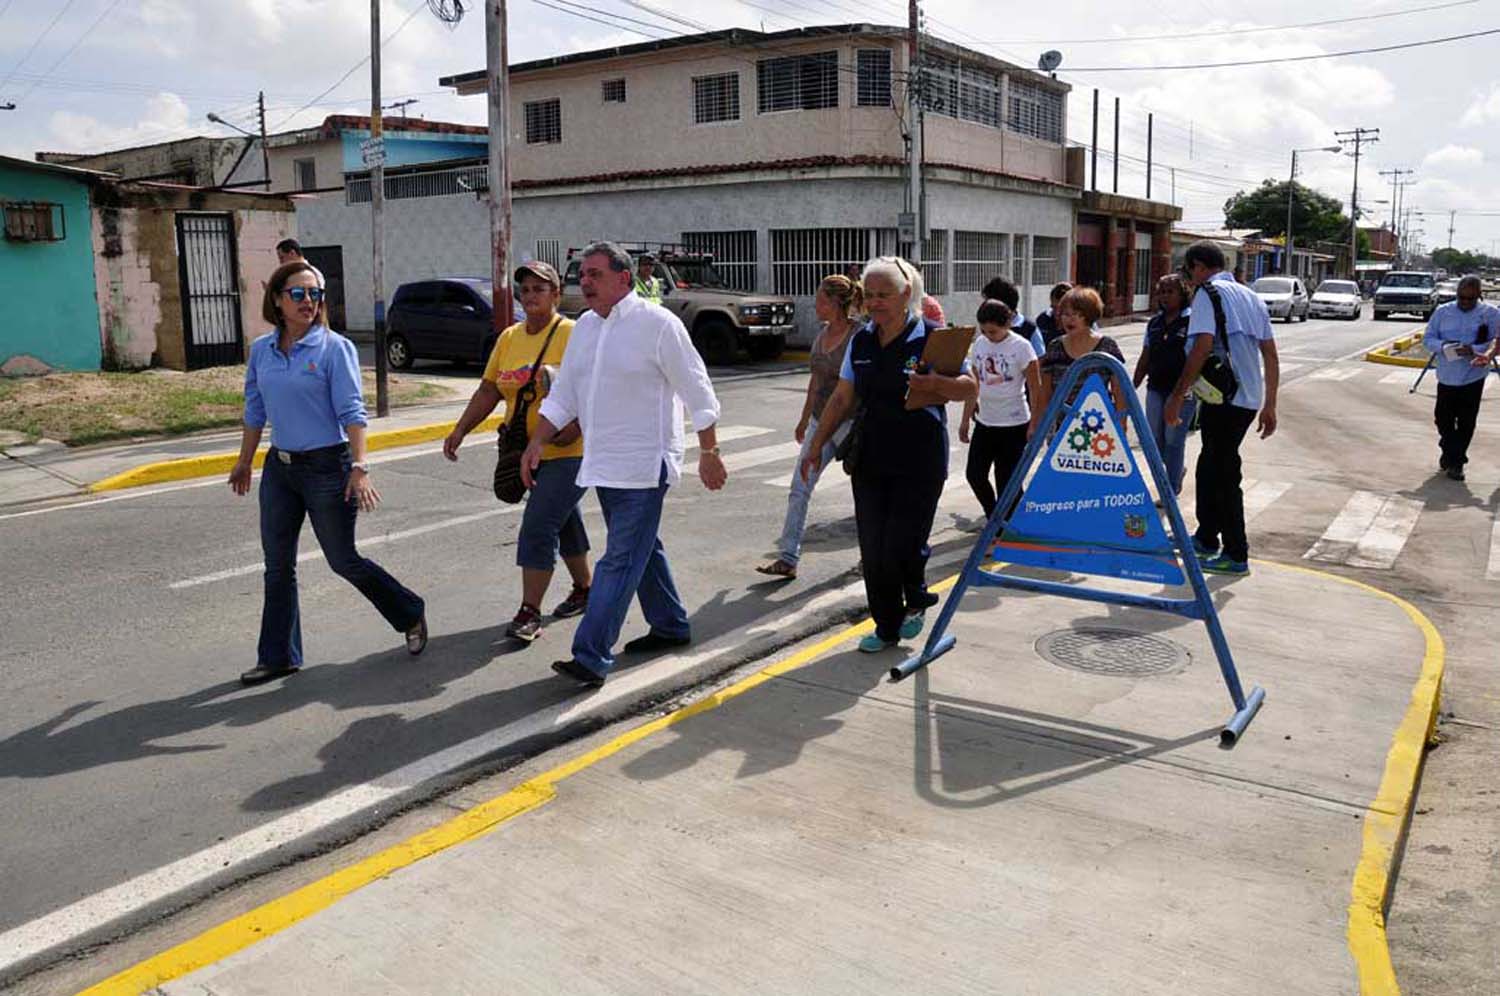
pixel 90 75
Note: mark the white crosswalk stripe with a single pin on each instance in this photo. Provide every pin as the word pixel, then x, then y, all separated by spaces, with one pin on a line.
pixel 1287 368
pixel 1492 571
pixel 1369 531
pixel 1402 377
pixel 1260 494
pixel 762 454
pixel 1334 373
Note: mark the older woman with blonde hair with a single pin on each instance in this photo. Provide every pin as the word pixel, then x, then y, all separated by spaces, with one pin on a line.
pixel 838 304
pixel 900 458
pixel 304 379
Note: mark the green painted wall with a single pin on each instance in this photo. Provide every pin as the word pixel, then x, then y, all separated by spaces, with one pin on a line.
pixel 50 313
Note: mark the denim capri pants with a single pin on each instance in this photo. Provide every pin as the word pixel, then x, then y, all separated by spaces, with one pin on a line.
pixel 551 521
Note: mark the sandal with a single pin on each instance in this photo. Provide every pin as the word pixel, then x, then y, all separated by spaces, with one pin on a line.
pixel 778 568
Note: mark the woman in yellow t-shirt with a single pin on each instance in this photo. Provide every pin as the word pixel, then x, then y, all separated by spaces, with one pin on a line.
pixel 551 521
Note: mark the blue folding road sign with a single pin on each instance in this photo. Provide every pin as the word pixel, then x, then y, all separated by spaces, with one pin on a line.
pixel 1087 510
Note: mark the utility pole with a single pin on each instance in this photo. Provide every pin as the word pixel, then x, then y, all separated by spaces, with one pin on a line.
pixel 1116 156
pixel 400 106
pixel 914 87
pixel 1094 154
pixel 1149 121
pixel 497 68
pixel 1450 228
pixel 1358 136
pixel 1396 182
pixel 375 158
pixel 265 155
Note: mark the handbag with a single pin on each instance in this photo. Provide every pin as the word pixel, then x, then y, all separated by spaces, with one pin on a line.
pixel 848 451
pixel 511 441
pixel 1217 383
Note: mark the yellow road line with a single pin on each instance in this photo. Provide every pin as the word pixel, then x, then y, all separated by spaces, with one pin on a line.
pixel 186 468
pixel 1386 817
pixel 1383 823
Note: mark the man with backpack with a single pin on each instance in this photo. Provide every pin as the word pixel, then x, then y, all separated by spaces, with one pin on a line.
pixel 1229 337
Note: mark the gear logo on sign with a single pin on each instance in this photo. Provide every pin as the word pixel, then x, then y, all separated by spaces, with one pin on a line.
pixel 1091 443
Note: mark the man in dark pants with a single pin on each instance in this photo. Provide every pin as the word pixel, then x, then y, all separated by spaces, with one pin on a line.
pixel 1462 336
pixel 1227 319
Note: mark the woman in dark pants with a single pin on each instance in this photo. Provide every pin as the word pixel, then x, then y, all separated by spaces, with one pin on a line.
pixel 304 378
pixel 903 455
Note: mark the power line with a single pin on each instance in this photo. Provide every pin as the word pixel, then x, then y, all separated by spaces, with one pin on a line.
pixel 71 49
pixel 1240 31
pixel 1290 58
pixel 38 40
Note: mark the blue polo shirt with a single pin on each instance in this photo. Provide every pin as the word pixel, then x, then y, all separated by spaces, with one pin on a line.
pixel 1449 323
pixel 309 395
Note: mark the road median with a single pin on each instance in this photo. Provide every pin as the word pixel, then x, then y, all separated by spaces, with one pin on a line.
pixel 1393 354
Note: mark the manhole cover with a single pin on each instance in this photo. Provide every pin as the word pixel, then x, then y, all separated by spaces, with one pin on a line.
pixel 1116 652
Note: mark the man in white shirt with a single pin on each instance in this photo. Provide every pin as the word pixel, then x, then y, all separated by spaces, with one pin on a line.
pixel 1220 541
pixel 1462 335
pixel 628 370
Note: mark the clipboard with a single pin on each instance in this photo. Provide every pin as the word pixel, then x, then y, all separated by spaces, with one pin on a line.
pixel 944 353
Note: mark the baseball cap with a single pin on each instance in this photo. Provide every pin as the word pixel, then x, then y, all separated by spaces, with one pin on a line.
pixel 537 268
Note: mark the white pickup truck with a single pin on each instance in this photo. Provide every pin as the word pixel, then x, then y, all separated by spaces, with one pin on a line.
pixel 1409 291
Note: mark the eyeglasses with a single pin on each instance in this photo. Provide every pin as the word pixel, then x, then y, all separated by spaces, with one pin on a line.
pixel 300 294
pixel 1468 299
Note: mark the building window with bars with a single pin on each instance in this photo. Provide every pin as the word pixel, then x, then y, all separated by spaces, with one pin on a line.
pixel 979 257
pixel 873 78
pixel 716 98
pixel 802 257
pixel 1048 260
pixel 1142 272
pixel 1035 112
pixel 736 256
pixel 613 91
pixel 543 121
pixel 968 93
pixel 34 221
pixel 798 82
pixel 549 251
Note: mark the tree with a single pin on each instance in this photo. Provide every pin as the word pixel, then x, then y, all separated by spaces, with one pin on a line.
pixel 1458 261
pixel 1315 216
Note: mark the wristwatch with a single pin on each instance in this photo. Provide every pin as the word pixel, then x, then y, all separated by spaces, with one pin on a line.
pixel 363 465
pixel 711 451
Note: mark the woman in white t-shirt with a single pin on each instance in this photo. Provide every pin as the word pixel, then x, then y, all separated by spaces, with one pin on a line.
pixel 1006 367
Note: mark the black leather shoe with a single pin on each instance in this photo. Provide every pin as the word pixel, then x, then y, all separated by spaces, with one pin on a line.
pixel 416 637
pixel 1456 471
pixel 572 669
pixel 262 673
pixel 655 641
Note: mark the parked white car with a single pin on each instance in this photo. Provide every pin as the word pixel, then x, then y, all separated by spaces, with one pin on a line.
pixel 1336 299
pixel 1284 297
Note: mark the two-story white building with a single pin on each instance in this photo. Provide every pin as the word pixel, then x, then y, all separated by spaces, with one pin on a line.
pixel 784 153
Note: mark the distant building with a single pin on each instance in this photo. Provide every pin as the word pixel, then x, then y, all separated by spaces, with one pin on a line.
pixel 202 161
pixel 317 158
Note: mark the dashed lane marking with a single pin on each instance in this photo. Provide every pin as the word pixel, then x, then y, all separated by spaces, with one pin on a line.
pixel 1369 531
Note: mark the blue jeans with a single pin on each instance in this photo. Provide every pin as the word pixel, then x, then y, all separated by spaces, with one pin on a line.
pixel 1170 439
pixel 634 563
pixel 551 520
pixel 314 489
pixel 789 546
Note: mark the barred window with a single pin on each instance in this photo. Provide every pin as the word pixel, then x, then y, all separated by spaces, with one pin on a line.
pixel 979 257
pixel 873 84
pixel 1018 268
pixel 716 98
pixel 1035 112
pixel 934 262
pixel 735 255
pixel 543 121
pixel 613 91
pixel 798 82
pixel 549 251
pixel 1049 260
pixel 802 257
pixel 1142 272
pixel 968 93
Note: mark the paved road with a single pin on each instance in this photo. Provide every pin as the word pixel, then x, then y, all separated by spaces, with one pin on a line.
pixel 127 746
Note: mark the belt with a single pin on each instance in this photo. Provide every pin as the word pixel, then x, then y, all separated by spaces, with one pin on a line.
pixel 289 456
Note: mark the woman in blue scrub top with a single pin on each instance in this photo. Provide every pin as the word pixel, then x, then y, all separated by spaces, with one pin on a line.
pixel 903 455
pixel 304 379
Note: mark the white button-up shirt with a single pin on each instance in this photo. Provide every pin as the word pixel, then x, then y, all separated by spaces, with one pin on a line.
pixel 625 379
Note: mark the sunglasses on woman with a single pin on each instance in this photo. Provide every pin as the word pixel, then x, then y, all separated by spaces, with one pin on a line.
pixel 300 294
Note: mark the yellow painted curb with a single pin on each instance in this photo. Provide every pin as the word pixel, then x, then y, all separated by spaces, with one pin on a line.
pixel 1386 818
pixel 1395 361
pixel 1384 822
pixel 186 468
pixel 799 355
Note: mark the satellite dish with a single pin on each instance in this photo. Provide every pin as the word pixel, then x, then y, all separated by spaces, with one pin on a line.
pixel 1049 61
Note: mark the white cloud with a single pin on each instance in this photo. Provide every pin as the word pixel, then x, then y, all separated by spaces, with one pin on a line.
pixel 1484 108
pixel 164 117
pixel 1453 157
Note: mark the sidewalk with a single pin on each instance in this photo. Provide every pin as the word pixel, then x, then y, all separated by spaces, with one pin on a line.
pixel 49 470
pixel 994 824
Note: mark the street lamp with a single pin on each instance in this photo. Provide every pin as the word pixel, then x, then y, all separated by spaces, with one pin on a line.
pixel 230 124
pixel 1290 189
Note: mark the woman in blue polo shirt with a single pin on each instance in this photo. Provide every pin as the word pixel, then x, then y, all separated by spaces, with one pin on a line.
pixel 304 378
pixel 903 455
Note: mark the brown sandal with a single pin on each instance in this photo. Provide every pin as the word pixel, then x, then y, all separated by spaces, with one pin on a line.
pixel 778 568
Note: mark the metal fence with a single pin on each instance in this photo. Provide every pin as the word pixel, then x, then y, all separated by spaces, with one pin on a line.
pixel 978 257
pixel 421 183
pixel 736 256
pixel 1049 261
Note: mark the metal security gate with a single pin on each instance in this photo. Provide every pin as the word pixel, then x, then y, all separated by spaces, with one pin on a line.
pixel 210 279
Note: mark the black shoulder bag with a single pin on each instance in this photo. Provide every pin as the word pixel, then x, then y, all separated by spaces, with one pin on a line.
pixel 848 451
pixel 509 487
pixel 1217 384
